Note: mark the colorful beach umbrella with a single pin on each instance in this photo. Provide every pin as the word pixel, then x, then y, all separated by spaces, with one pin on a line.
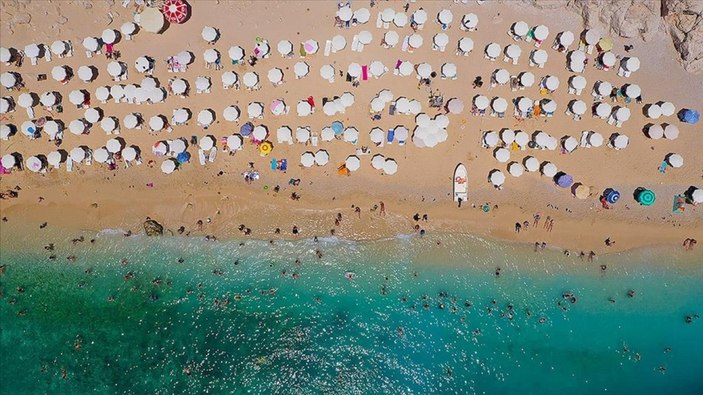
pixel 175 11
pixel 611 195
pixel 689 116
pixel 564 180
pixel 645 197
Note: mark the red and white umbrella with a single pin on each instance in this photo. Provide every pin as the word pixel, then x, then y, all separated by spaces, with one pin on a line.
pixel 175 11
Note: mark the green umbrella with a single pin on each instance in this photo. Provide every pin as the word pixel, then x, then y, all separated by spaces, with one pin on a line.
pixel 646 197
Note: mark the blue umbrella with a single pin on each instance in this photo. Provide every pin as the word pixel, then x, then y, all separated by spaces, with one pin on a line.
pixel 611 195
pixel 183 157
pixel 564 180
pixel 689 116
pixel 338 128
pixel 246 129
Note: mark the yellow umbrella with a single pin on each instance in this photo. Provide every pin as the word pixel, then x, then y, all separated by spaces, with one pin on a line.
pixel 605 44
pixel 582 191
pixel 265 148
pixel 152 20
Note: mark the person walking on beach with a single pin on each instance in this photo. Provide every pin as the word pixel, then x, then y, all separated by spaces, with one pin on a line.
pixel 358 211
pixel 609 242
pixel 460 200
pixel 537 217
pixel 383 208
pixel 518 226
pixel 546 222
pixel 551 225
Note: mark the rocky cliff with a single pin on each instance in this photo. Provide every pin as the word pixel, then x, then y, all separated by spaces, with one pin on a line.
pixel 681 19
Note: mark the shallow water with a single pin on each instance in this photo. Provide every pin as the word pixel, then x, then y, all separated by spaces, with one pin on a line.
pixel 416 318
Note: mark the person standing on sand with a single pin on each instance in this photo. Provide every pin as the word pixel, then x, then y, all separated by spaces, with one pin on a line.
pixel 460 200
pixel 546 222
pixel 383 208
pixel 358 211
pixel 537 217
pixel 551 225
pixel 517 227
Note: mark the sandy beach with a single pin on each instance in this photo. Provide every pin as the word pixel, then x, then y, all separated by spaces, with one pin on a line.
pixel 92 198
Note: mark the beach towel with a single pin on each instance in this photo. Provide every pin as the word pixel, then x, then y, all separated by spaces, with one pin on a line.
pixel 679 202
pixel 274 164
pixel 284 164
pixel 364 72
pixel 391 135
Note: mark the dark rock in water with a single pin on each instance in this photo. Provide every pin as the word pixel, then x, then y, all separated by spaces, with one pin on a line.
pixel 153 228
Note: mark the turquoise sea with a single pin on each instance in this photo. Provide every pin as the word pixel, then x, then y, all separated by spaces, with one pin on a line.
pixel 416 318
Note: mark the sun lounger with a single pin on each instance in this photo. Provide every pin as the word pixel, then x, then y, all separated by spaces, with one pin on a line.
pixel 314 139
pixel 406 44
pixel 355 43
pixel 213 155
pixel 69 164
pixel 328 47
pixel 379 21
pixel 201 157
pixel 364 72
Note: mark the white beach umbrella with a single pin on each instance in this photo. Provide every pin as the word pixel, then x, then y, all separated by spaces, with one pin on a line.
pixel 207 143
pixel 351 135
pixel 206 117
pixel 671 132
pixel 667 108
pixel 654 111
pixel 327 72
pixel 141 95
pixel 108 124
pixel 466 44
pixel 515 169
pixel 235 142
pixel 209 34
pixel 513 51
pixel 385 95
pixel 527 79
pixel 387 15
pixel 455 105
pixel 508 136
pixel 548 105
pixel 307 159
pixel 303 108
pixel 8 80
pixel 592 36
pixel 522 138
pixel 420 16
pixel 302 69
pixel 549 169
pixel 347 99
pixel 603 110
pixel 177 146
pixel 114 145
pixel 502 155
pixel 229 78
pixel 377 104
pixel 35 164
pixel 5 54
pixel 59 73
pixel 180 116
pixel 622 114
pixel 59 47
pixel 376 135
pixel 415 40
pixel 8 161
pixel 285 47
pixel 524 104
pixel 278 107
pixel 595 139
pixel 631 64
pixel 542 139
pixel 441 40
pixel 520 28
pixel 260 133
pixel 655 132
pixel 632 91
pixel 285 135
pixel 497 178
pixel 101 155
pixel 449 70
pixel 179 86
pixel 481 102
pixel 142 64
pixel 236 53
pixel 78 154
pixel 130 153
pixel 541 32
pixel 54 158
pixel 211 55
pixel 275 75
pixel 131 121
pixel 402 105
pixel 322 157
pixel 327 134
pixel 156 123
pixel 577 82
pixel 697 195
pixel 168 166
pixel 570 144
pixel 424 70
pixel 675 160
pixel 378 161
pixel 445 17
pixel 608 59
pixel 566 38
pixel 91 44
pixel 490 139
pixel 499 104
pixel 251 79
pixel 469 21
pixel 619 141
pixel 338 43
pixel 32 50
pixel 345 13
pixel 578 107
pixel 202 83
pixel 540 56
pixel 330 108
pixel 493 50
pixel 501 76
pixel 362 15
pixel 354 70
pixel 377 68
pixel 26 100
pixel 352 163
pixel 77 127
pixel 109 36
pixel 117 92
pixel 365 37
pixel 102 93
pixel 302 135
pixel 390 167
pixel 128 29
pixel 531 164
pixel 603 88
pixel 92 115
pixel 391 38
pixel 551 83
pixel 86 73
pixel 161 147
pixel 406 68
pixel 51 128
pixel 115 69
